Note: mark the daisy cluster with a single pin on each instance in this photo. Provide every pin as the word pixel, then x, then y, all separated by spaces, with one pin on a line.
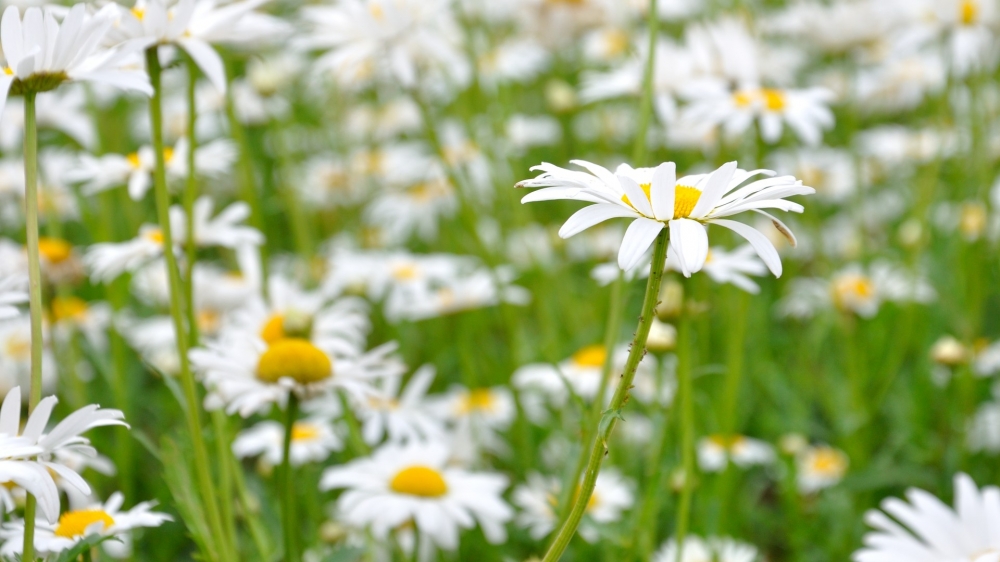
pixel 294 226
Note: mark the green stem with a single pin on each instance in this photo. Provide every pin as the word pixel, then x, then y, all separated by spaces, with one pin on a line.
pixel 612 327
pixel 599 448
pixel 223 452
pixel 250 507
pixel 299 221
pixel 687 434
pixel 646 105
pixel 288 491
pixel 34 288
pixel 190 194
pixel 216 543
pixel 354 436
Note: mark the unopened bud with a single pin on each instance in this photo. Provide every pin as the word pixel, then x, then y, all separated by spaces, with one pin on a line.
pixel 948 351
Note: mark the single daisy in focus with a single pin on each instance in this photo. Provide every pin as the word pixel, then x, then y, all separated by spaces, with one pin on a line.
pixel 820 467
pixel 715 452
pixel 538 499
pixel 656 199
pixel 414 483
pixel 927 529
pixel 712 549
pixel 247 375
pixel 107 519
pixel 312 441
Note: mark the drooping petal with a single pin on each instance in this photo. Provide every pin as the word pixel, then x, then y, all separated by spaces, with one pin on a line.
pixel 638 237
pixel 207 60
pixel 690 241
pixel 764 248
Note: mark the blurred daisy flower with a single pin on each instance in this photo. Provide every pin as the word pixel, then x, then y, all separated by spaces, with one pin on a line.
pixel 927 529
pixel 107 519
pixel 656 199
pixel 414 483
pixel 855 289
pixel 715 452
pixel 537 501
pixel 312 441
pixel 712 549
pixel 819 467
pixel 401 414
pixel 247 375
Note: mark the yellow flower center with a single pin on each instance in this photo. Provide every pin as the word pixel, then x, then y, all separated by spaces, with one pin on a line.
pixel 743 98
pixel 67 308
pixel 54 250
pixel 590 356
pixel 727 442
pixel 208 321
pixel 8 71
pixel 405 272
pixel 75 523
pixel 616 41
pixel 296 359
pixel 18 348
pixel 969 12
pixel 154 235
pixel 274 329
pixel 133 160
pixel 685 198
pixel 774 100
pixel 852 287
pixel 376 11
pixel 304 431
pixel 168 154
pixel 480 399
pixel 139 13
pixel 828 461
pixel 419 480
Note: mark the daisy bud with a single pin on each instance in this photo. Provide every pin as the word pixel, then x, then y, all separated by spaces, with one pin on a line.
pixel 948 351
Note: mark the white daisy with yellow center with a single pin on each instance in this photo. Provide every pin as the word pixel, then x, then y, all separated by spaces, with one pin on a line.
pixel 312 441
pixel 711 549
pixel 820 467
pixel 538 501
pixel 414 483
pixel 107 519
pixel 402 413
pixel 656 199
pixel 715 452
pixel 247 375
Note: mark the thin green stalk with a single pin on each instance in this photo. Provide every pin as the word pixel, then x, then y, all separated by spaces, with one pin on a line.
pixel 731 394
pixel 299 221
pixel 215 543
pixel 687 434
pixel 288 481
pixel 223 452
pixel 646 105
pixel 190 194
pixel 599 448
pixel 34 288
pixel 355 439
pixel 250 507
pixel 612 327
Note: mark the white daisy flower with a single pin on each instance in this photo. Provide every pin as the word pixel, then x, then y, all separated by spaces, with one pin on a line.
pixel 820 467
pixel 478 416
pixel 312 441
pixel 537 501
pixel 715 452
pixel 413 210
pixel 401 414
pixel 983 433
pixel 414 483
pixel 712 549
pixel 246 375
pixel 656 199
pixel 927 529
pixel 830 171
pixel 855 289
pixel 15 355
pixel 70 314
pixel 107 519
pixel 42 53
pixel 36 476
pixel 63 110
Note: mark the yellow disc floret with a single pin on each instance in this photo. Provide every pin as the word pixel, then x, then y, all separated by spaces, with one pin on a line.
pixel 419 480
pixel 296 359
pixel 274 329
pixel 68 308
pixel 75 523
pixel 774 100
pixel 590 356
pixel 480 399
pixel 685 198
pixel 304 431
pixel 54 250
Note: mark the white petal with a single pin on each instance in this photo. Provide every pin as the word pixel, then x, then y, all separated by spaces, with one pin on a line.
pixel 207 60
pixel 591 215
pixel 639 235
pixel 690 241
pixel 636 196
pixel 661 192
pixel 764 248
pixel 715 187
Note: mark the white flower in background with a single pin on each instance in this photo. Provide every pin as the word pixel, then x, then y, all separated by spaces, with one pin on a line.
pixel 830 171
pixel 415 209
pixel 42 53
pixel 312 441
pixel 107 519
pixel 986 359
pixel 715 452
pixel 805 111
pixel 337 326
pixel 855 289
pixel 13 291
pixel 725 266
pixel 36 476
pixel 983 430
pixel 964 28
pixel 528 131
pixel 325 182
pixel 927 529
pixel 478 416
pixel 838 27
pixel 712 549
pixel 15 356
pixel 64 110
pixel 189 24
pixel 401 414
pixel 107 260
pixel 70 314
pixel 519 59
pixel 246 375
pixel 366 39
pixel 819 467
pixel 414 483
pixel 900 83
pixel 656 200
pixel 537 499
pixel 470 290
